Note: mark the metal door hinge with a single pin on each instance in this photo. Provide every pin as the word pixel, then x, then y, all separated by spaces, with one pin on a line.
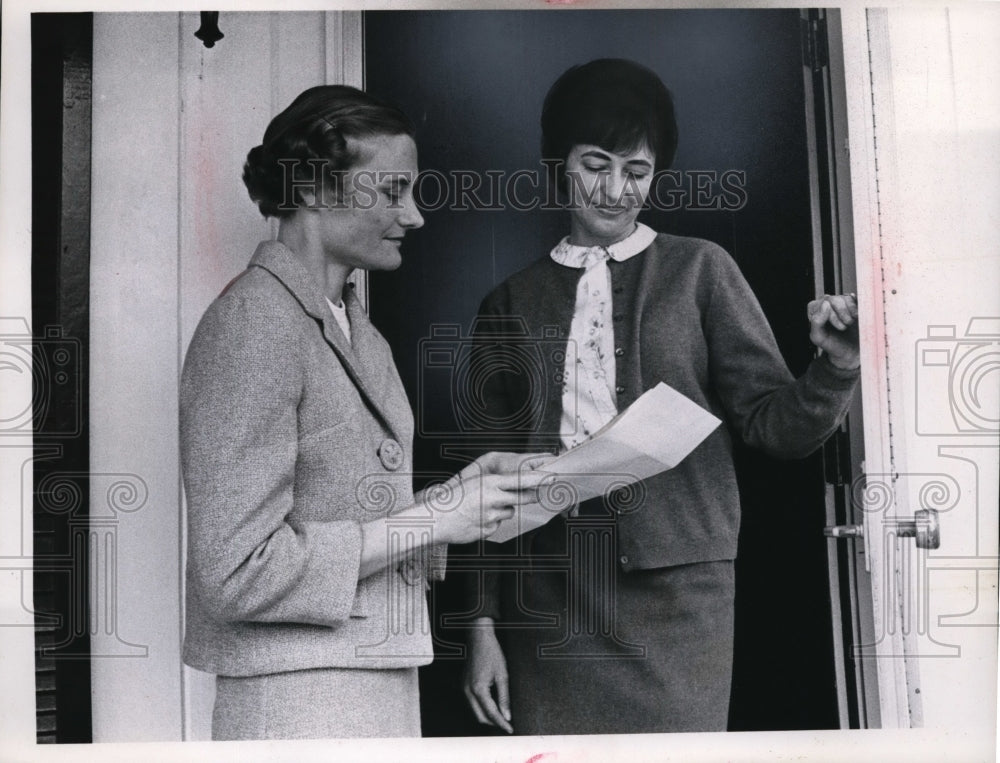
pixel 815 48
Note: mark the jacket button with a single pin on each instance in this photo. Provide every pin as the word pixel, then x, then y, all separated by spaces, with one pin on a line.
pixel 623 559
pixel 411 572
pixel 390 453
pixel 619 351
pixel 620 389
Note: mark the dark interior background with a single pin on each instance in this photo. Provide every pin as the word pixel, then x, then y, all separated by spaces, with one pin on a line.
pixel 61 76
pixel 474 82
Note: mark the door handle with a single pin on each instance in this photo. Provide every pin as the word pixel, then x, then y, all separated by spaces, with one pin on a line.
pixel 924 528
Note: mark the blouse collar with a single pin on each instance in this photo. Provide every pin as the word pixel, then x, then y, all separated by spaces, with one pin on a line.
pixel 573 256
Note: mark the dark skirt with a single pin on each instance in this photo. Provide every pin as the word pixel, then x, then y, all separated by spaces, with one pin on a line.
pixel 594 650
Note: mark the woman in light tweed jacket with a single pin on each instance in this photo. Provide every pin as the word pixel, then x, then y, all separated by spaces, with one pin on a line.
pixel 307 550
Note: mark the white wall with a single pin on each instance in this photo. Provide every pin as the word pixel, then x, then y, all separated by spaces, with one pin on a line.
pixel 172 224
pixel 17 637
pixel 133 403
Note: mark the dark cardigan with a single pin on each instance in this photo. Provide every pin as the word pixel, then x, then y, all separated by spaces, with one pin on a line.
pixel 683 314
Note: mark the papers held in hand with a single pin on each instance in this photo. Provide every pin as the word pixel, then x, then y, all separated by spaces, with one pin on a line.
pixel 652 435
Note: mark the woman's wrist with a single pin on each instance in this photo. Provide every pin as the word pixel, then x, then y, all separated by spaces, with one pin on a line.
pixel 482 627
pixel 847 363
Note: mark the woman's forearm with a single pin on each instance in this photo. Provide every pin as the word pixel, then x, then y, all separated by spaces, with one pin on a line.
pixel 382 546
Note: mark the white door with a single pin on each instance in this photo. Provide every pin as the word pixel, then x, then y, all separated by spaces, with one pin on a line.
pixel 924 120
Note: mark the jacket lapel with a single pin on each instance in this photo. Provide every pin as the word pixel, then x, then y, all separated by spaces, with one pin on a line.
pixel 374 367
pixel 367 361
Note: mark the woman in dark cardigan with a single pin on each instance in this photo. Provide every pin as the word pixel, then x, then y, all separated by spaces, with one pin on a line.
pixel 617 616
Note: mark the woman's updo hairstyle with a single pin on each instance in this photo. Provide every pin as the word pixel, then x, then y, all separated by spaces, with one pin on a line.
pixel 613 103
pixel 309 140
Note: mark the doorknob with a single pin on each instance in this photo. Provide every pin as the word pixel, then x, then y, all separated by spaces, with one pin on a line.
pixel 844 531
pixel 924 527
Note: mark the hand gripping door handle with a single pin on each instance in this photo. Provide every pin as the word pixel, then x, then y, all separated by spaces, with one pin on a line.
pixel 924 528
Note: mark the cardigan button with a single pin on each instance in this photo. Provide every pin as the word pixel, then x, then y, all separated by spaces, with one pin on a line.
pixel 390 453
pixel 619 317
pixel 620 389
pixel 623 559
pixel 619 351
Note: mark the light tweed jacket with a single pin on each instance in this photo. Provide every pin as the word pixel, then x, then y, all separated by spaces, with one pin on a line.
pixel 290 439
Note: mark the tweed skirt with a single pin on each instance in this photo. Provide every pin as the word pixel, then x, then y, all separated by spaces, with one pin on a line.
pixel 326 703
pixel 594 650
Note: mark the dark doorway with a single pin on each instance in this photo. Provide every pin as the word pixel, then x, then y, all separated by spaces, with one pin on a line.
pixel 61 66
pixel 474 84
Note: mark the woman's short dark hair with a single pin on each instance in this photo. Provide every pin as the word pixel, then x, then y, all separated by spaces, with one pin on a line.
pixel 314 129
pixel 613 103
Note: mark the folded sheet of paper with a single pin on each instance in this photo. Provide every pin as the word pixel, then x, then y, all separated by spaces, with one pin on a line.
pixel 652 435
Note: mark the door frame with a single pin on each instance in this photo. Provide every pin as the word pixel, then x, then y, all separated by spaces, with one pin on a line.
pixel 844 453
pixel 889 677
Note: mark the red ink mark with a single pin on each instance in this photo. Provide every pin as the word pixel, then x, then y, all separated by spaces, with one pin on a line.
pixel 541 755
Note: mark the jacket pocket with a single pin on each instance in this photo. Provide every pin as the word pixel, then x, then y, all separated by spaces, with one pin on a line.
pixel 343 434
pixel 370 594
